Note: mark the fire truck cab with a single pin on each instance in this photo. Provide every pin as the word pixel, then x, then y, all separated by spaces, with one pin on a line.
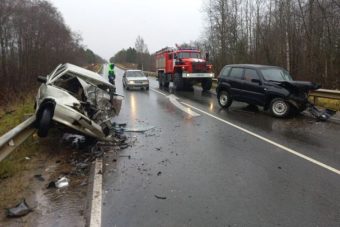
pixel 183 67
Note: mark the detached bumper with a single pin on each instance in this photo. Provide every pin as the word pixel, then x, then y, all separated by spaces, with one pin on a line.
pixel 198 75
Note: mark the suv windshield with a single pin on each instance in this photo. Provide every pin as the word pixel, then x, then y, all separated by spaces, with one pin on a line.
pixel 135 74
pixel 189 55
pixel 276 74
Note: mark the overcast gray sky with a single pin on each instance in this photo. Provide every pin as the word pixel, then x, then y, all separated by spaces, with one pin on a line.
pixel 107 26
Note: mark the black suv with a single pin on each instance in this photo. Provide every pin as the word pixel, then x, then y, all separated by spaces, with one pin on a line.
pixel 268 86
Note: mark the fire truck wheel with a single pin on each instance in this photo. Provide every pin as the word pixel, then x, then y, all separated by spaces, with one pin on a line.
pixel 166 84
pixel 178 81
pixel 160 82
pixel 206 84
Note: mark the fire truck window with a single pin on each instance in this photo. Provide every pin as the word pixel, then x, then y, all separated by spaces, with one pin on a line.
pixel 170 56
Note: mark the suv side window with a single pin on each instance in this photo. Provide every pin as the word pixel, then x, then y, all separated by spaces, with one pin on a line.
pixel 225 72
pixel 250 74
pixel 236 73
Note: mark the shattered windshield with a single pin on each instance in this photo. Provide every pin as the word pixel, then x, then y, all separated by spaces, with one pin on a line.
pixel 135 74
pixel 276 74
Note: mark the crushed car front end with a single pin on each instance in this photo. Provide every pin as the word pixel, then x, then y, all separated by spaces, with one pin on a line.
pixel 78 99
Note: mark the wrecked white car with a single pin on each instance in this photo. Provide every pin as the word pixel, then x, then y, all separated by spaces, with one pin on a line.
pixel 77 98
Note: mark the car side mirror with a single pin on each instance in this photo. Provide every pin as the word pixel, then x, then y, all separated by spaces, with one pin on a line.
pixel 42 79
pixel 175 56
pixel 257 81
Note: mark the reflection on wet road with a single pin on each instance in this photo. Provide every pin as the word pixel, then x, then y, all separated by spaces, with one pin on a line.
pixel 197 171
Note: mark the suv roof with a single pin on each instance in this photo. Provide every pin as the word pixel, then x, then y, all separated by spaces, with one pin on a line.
pixel 253 66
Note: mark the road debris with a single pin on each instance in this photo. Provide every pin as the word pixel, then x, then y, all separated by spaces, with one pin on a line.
pixel 76 141
pixel 159 173
pixel 139 129
pixel 19 210
pixel 60 183
pixel 160 197
pixel 39 177
pixel 125 156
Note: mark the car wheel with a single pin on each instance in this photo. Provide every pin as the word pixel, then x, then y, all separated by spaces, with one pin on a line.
pixel 279 107
pixel 44 122
pixel 224 99
pixel 147 88
pixel 127 88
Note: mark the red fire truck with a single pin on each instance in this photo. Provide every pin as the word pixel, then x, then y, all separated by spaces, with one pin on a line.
pixel 184 67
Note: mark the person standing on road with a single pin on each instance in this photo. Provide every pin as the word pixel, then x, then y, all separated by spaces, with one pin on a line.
pixel 112 75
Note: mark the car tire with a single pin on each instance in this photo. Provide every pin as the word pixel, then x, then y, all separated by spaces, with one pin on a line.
pixel 279 108
pixel 127 88
pixel 147 88
pixel 224 99
pixel 178 81
pixel 44 122
pixel 206 84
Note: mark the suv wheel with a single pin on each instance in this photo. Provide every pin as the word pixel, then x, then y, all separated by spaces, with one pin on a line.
pixel 279 107
pixel 224 99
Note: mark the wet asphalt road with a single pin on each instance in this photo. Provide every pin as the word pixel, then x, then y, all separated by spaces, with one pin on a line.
pixel 198 171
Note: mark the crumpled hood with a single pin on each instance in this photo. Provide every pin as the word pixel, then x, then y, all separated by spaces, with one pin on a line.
pixel 299 86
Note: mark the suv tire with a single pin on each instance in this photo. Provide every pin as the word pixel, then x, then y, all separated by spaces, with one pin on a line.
pixel 279 108
pixel 224 99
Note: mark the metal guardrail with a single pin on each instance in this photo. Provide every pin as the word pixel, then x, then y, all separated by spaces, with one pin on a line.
pixel 15 137
pixel 326 98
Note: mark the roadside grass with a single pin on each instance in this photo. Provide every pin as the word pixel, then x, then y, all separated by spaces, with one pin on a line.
pixel 15 163
pixel 12 115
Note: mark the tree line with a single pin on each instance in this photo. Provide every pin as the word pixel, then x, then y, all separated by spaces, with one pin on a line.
pixel 33 40
pixel 302 36
pixel 138 55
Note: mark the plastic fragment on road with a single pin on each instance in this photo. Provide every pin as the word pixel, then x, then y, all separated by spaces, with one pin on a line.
pixel 160 197
pixel 321 115
pixel 139 129
pixel 11 143
pixel 76 141
pixel 39 177
pixel 62 182
pixel 19 210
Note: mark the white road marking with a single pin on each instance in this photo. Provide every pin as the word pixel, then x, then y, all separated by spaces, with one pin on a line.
pixel 173 99
pixel 96 200
pixel 158 91
pixel 334 170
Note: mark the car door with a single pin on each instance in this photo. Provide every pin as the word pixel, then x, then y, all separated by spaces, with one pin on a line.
pixel 235 79
pixel 254 91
